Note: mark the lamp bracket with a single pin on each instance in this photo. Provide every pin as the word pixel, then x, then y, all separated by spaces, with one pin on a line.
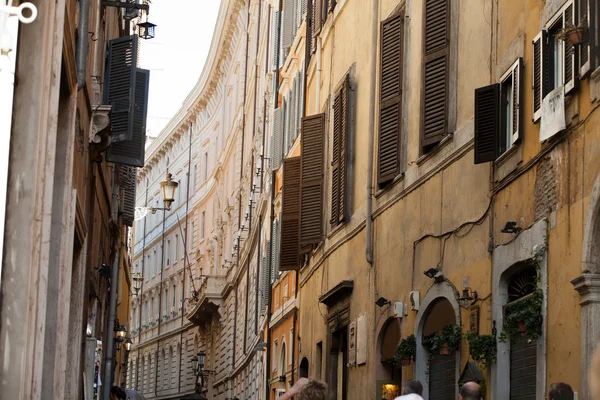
pixel 128 6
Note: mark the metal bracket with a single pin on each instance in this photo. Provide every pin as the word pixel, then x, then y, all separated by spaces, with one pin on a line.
pixel 128 6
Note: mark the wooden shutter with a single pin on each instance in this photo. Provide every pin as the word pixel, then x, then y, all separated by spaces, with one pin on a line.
pixel 309 27
pixel 442 376
pixel 119 88
pixel 265 282
pixel 312 173
pixel 275 40
pixel 570 62
pixel 517 76
pixel 340 154
pixel 286 123
pixel 585 49
pixel 523 368
pixel 290 215
pixel 317 18
pixel 275 251
pixel 276 139
pixel 132 151
pixel 390 99
pixel 288 24
pixel 435 72
pixel 539 72
pixel 331 5
pixel 487 123
pixel 127 181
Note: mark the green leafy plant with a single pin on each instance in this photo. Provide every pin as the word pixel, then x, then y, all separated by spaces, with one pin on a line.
pixel 482 348
pixel 524 317
pixel 407 350
pixel 450 336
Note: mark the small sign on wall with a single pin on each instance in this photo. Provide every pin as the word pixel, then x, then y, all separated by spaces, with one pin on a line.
pixel 553 114
pixel 361 340
pixel 474 320
pixel 352 343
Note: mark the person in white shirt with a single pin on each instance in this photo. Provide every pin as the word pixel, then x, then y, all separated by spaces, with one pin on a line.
pixel 412 390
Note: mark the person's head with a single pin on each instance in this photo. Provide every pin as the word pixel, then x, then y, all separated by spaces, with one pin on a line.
pixel 313 390
pixel 594 376
pixel 560 391
pixel 413 386
pixel 470 391
pixel 116 393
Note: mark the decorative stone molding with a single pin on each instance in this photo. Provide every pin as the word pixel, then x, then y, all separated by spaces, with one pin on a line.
pixel 100 131
pixel 595 85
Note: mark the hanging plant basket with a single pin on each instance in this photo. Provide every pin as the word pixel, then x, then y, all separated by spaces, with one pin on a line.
pixel 523 317
pixel 406 351
pixel 521 326
pixel 405 362
pixel 448 340
pixel 575 35
pixel 482 349
pixel 445 350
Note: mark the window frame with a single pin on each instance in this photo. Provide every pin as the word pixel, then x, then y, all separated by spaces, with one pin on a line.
pixel 560 15
pixel 515 137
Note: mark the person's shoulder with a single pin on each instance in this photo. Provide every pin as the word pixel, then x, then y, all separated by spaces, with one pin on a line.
pixel 411 396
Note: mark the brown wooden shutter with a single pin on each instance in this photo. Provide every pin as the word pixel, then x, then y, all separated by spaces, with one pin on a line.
pixel 570 63
pixel 487 123
pixel 127 182
pixel 312 172
pixel 290 215
pixel 317 18
pixel 517 131
pixel 390 98
pixel 540 73
pixel 434 123
pixel 585 48
pixel 309 27
pixel 339 159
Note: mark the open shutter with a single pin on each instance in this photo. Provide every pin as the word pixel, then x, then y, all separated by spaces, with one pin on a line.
pixel 570 62
pixel 487 123
pixel 390 99
pixel 317 18
pixel 127 177
pixel 286 123
pixel 312 173
pixel 539 73
pixel 119 90
pixel 132 152
pixel 275 251
pixel 585 49
pixel 340 154
pixel 288 24
pixel 517 76
pixel 276 139
pixel 290 215
pixel 435 72
pixel 304 8
pixel 265 281
pixel 275 39
pixel 309 27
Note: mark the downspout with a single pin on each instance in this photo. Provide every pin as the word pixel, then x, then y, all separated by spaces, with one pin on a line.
pixel 82 41
pixel 187 205
pixel 294 330
pixel 112 308
pixel 160 292
pixel 369 222
pixel 264 124
pixel 268 364
pixel 141 305
pixel 96 89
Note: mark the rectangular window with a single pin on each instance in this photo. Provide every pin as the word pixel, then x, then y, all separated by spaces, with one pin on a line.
pixel 176 248
pixel 195 177
pixel 290 214
pixel 202 222
pixel 319 361
pixel 498 115
pixel 166 312
pixel 205 166
pixel 174 298
pixel 147 268
pixel 154 264
pixel 167 252
pixel 184 243
pixel 152 310
pixel 193 235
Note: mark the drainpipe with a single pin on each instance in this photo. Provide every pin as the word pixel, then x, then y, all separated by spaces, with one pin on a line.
pixel 160 292
pixel 112 308
pixel 96 89
pixel 82 41
pixel 141 295
pixel 369 222
pixel 268 364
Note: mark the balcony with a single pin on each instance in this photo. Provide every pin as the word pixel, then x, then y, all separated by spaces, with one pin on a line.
pixel 209 300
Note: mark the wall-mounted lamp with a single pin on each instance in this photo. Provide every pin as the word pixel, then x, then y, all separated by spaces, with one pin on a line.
pixel 146 30
pixel 434 273
pixel 468 297
pixel 261 346
pixel 511 227
pixel 104 271
pixel 137 282
pixel 281 383
pixel 382 301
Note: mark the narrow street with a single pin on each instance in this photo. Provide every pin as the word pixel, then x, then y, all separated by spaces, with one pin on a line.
pixel 300 199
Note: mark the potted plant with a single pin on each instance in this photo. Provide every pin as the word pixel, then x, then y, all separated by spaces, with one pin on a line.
pixel 448 340
pixel 523 317
pixel 482 348
pixel 406 351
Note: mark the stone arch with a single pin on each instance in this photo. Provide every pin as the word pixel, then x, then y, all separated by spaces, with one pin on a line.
pixel 591 234
pixel 282 365
pixel 304 368
pixel 439 291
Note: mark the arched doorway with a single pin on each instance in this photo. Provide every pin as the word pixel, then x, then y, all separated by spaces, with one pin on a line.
pixel 437 372
pixel 304 368
pixel 389 376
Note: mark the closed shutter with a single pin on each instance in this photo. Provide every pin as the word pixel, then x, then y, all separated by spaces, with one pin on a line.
pixel 132 152
pixel 340 154
pixel 487 123
pixel 119 87
pixel 265 282
pixel 570 62
pixel 127 177
pixel 293 113
pixel 312 173
pixel 286 124
pixel 299 11
pixel 290 215
pixel 585 49
pixel 390 99
pixel 275 40
pixel 331 5
pixel 309 27
pixel 435 72
pixel 442 377
pixel 523 368
pixel 304 8
pixel 275 251
pixel 539 73
pixel 276 139
pixel 288 24
pixel 317 18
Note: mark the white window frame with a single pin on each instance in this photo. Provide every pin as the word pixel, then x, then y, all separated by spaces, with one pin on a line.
pixel 509 74
pixel 560 15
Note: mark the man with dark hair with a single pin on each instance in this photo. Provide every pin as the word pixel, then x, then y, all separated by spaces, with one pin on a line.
pixel 412 386
pixel 470 391
pixel 116 393
pixel 560 391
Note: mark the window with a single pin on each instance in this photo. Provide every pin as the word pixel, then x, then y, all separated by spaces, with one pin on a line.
pixel 167 252
pixel 498 115
pixel 174 297
pixel 193 234
pixel 339 168
pixel 585 55
pixel 205 177
pixel 202 221
pixel 154 264
pixel 195 177
pixel 145 314
pixel 390 106
pixel 183 243
pixel 175 248
pixel 554 63
pixel 166 312
pixel 148 268
pixel 151 316
pixel 436 44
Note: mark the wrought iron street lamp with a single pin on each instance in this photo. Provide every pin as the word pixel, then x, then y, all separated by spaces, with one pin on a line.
pixel 146 30
pixel 168 188
pixel 120 333
pixel 137 282
pixel 128 344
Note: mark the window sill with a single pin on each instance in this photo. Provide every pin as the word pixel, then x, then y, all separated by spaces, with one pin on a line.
pixel 508 162
pixel 506 155
pixel 447 139
pixel 334 230
pixel 595 85
pixel 389 186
